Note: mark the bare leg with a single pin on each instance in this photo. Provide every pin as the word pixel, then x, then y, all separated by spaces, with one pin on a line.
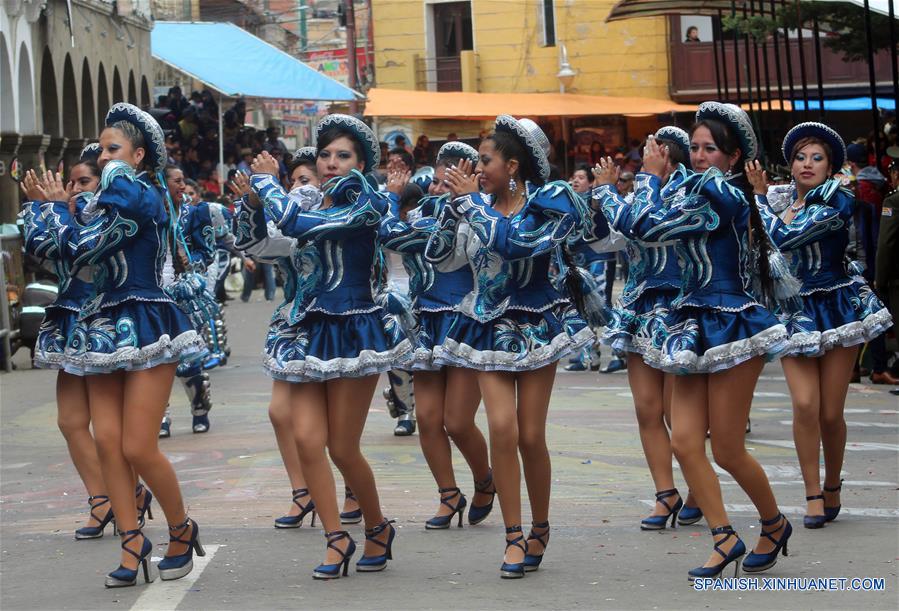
pixel 349 400
pixel 730 397
pixel 309 404
pixel 461 401
pixel 74 421
pixel 498 390
pixel 648 389
pixel 279 413
pixel 534 390
pixel 146 395
pixel 429 392
pixel 804 379
pixel 689 423
pixel 836 371
pixel 106 394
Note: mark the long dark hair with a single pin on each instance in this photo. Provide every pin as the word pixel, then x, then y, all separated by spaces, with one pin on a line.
pixel 727 141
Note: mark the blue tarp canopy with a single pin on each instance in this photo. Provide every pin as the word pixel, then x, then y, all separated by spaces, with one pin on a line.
pixel 863 103
pixel 236 63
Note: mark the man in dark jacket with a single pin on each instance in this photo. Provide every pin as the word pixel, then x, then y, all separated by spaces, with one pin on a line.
pixel 886 277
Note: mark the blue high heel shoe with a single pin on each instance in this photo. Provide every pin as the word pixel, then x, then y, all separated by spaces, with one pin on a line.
pixel 176 567
pixel 143 511
pixel 831 513
pixel 297 520
pixel 350 517
pixel 443 522
pixel 734 555
pixel 333 571
pixel 756 563
pixel 815 521
pixel 532 561
pixel 122 577
pixel 659 522
pixel 479 513
pixel 95 532
pixel 373 564
pixel 514 570
pixel 689 515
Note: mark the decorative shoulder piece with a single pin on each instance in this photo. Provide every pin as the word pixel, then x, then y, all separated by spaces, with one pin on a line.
pixel 780 197
pixel 114 169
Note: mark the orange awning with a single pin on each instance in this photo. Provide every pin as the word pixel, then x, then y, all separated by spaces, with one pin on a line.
pixel 464 105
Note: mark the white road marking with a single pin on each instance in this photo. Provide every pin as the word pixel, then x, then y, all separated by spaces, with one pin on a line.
pixel 768 394
pixel 850 447
pixel 167 595
pixel 16 465
pixel 854 423
pixel 597 387
pixel 796 511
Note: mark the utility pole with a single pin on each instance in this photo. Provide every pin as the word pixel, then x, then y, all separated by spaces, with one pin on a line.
pixel 350 16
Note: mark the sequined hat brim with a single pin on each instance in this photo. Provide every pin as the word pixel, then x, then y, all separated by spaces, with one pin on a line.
pixel 360 130
pixel 820 131
pixel 737 119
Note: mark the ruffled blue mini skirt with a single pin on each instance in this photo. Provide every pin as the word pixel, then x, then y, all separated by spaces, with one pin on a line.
pixel 431 331
pixel 632 327
pixel 519 340
pixel 846 315
pixel 698 339
pixel 324 346
pixel 130 335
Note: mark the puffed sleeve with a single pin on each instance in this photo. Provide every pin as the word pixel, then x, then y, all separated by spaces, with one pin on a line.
pixel 700 206
pixel 364 209
pixel 38 236
pixel 412 235
pixel 123 207
pixel 548 220
pixel 828 208
pixel 256 236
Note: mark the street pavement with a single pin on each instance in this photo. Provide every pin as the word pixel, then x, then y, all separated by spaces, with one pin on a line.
pixel 234 484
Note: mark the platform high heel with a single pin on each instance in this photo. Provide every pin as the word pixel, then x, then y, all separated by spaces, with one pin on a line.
pixel 122 577
pixel 351 517
pixel 815 521
pixel 514 570
pixel 734 555
pixel 333 571
pixel 756 563
pixel 479 513
pixel 443 522
pixel 831 513
pixel 689 515
pixel 297 520
pixel 144 512
pixel 176 567
pixel 660 522
pixel 373 564
pixel 532 561
pixel 95 532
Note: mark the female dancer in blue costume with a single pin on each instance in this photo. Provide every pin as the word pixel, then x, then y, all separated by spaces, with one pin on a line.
pixel 809 220
pixel 335 340
pixel 130 336
pixel 269 244
pixel 716 334
pixel 653 282
pixel 514 325
pixel 446 397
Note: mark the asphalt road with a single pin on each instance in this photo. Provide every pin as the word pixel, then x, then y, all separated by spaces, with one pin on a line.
pixel 234 483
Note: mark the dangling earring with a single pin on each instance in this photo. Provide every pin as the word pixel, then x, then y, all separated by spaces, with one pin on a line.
pixel 729 174
pixel 513 186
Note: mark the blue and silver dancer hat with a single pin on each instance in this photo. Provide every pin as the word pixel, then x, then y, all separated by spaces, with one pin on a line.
pixel 305 153
pixel 147 125
pixel 360 131
pixel 91 152
pixel 532 137
pixel 735 118
pixel 812 129
pixel 679 137
pixel 458 149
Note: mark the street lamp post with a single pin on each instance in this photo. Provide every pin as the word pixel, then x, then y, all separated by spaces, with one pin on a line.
pixel 566 77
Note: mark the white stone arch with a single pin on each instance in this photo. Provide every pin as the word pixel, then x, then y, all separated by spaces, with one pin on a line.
pixel 8 105
pixel 27 118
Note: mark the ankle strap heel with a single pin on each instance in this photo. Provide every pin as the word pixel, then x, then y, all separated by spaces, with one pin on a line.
pixel 479 513
pixel 177 566
pixel 514 570
pixel 297 520
pixel 831 513
pixel 660 522
pixel 124 577
pixel 734 555
pixel 443 522
pixel 756 563
pixel 350 517
pixel 814 521
pixel 373 564
pixel 333 571
pixel 532 561
pixel 95 532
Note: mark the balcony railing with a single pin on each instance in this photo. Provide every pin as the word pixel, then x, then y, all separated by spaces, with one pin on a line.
pixel 440 73
pixel 693 70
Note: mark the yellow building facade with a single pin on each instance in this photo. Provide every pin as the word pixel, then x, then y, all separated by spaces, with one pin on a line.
pixel 510 53
pixel 514 46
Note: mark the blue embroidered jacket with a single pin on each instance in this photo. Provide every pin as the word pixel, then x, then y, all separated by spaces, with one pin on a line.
pixel 509 256
pixel 710 221
pixel 123 236
pixel 204 225
pixel 815 240
pixel 338 268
